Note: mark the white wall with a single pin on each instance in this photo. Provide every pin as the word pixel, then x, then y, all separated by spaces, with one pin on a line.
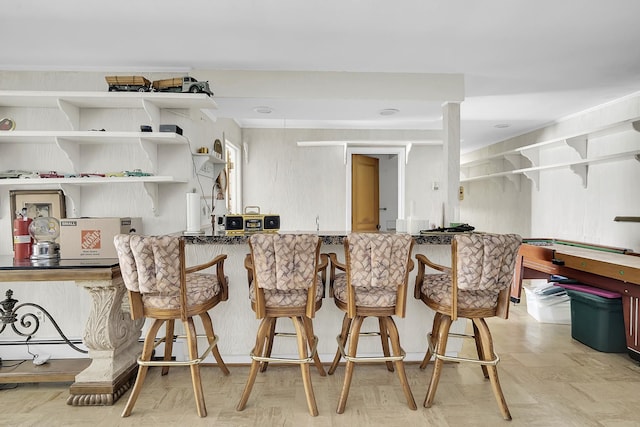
pixel 300 183
pixel 562 207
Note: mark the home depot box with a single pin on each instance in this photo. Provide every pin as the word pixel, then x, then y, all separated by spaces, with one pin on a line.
pixel 93 237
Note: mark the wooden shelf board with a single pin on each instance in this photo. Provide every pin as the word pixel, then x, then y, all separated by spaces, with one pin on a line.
pixel 59 370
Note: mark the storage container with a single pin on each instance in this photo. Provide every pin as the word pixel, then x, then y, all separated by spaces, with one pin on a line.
pixel 548 304
pixel 597 319
pixel 93 237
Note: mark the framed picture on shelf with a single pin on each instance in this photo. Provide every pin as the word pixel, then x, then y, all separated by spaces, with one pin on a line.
pixel 37 203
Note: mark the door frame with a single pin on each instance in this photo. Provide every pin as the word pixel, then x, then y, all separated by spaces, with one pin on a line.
pixel 400 153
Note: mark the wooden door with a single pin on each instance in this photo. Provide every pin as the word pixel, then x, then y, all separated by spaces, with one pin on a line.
pixel 365 193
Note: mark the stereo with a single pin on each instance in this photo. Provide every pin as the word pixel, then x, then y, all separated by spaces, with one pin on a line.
pixel 250 222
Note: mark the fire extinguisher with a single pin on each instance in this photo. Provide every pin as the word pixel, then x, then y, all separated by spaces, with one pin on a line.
pixel 22 240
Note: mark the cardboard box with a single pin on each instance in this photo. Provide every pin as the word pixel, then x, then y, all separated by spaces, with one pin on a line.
pixel 93 237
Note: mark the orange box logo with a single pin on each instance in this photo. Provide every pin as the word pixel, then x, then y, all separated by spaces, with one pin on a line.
pixel 90 239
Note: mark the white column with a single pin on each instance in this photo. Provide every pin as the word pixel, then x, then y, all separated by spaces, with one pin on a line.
pixel 451 147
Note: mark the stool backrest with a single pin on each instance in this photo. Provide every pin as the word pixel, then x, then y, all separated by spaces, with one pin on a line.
pixel 485 261
pixel 285 262
pixel 378 260
pixel 152 265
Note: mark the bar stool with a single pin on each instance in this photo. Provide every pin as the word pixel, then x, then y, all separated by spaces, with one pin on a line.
pixel 476 286
pixel 284 281
pixel 374 284
pixel 162 288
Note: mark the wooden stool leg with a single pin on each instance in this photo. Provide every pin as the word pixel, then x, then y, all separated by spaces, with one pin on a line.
pixel 433 340
pixel 479 349
pixel 354 334
pixel 268 347
pixel 168 344
pixel 261 338
pixel 487 347
pixel 344 334
pixel 441 348
pixel 384 337
pixel 390 325
pixel 308 325
pixel 196 381
pixel 304 367
pixel 147 351
pixel 208 328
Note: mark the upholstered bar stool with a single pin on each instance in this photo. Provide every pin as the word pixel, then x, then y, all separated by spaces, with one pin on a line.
pixel 162 288
pixel 284 281
pixel 475 287
pixel 374 285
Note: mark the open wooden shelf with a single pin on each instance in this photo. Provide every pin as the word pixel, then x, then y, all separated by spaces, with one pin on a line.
pixel 60 370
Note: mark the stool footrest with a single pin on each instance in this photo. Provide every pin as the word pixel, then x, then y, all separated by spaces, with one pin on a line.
pixel 308 359
pixel 180 362
pixel 493 362
pixel 369 359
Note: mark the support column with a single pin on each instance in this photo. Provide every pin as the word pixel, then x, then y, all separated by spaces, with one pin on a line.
pixel 451 148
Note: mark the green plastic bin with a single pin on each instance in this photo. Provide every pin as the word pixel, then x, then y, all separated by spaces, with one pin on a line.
pixel 597 321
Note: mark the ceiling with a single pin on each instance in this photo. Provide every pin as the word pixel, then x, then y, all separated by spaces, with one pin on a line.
pixel 525 64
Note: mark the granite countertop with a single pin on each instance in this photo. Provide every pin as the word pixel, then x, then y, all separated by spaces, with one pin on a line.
pixel 328 238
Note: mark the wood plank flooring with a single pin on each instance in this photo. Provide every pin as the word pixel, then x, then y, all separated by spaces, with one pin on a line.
pixel 548 379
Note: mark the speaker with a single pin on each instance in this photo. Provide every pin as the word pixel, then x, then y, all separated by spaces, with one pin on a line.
pixel 271 222
pixel 233 223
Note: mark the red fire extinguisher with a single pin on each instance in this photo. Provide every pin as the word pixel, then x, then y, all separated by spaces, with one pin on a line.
pixel 22 240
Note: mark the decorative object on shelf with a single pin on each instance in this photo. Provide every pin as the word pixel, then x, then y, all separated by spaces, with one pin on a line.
pixel 45 231
pixel 217 148
pixel 51 174
pixel 128 84
pixel 7 124
pixel 137 172
pixel 171 128
pixel 221 184
pixel 14 173
pixel 36 204
pixel 203 150
pixel 182 84
pixel 142 84
pixel 145 128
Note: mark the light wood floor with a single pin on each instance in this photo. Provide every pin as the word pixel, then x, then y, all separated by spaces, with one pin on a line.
pixel 548 380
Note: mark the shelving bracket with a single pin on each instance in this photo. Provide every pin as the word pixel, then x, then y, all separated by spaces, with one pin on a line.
pixel 151 189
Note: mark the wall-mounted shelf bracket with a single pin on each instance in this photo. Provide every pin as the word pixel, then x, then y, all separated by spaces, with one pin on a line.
pixel 582 170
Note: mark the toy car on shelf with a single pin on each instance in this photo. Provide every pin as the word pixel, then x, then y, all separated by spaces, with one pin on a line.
pixel 128 84
pixel 51 174
pixel 137 172
pixel 92 175
pixel 14 173
pixel 184 84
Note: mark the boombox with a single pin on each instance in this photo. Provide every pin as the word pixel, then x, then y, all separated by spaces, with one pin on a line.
pixel 250 222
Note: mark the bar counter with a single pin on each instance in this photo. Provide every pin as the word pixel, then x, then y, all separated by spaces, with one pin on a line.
pixel 235 322
pixel 328 238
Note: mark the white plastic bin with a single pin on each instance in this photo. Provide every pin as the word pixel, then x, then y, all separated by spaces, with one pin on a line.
pixel 548 305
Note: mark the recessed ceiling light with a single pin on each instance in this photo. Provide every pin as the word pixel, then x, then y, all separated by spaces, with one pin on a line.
pixel 502 125
pixel 389 111
pixel 263 110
